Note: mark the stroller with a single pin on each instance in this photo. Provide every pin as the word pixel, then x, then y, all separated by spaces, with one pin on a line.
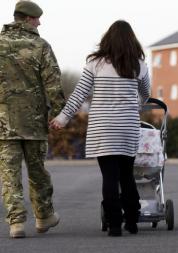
pixel 149 171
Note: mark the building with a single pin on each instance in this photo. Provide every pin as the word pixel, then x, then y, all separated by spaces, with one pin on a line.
pixel 165 72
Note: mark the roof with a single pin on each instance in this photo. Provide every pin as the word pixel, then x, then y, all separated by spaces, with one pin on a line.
pixel 171 39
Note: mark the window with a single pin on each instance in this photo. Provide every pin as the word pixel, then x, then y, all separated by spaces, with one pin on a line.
pixel 174 92
pixel 160 92
pixel 173 58
pixel 157 61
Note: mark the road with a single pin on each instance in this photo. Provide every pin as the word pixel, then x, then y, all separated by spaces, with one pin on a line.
pixel 77 196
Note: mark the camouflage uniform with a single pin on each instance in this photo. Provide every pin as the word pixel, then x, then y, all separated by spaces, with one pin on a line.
pixel 30 93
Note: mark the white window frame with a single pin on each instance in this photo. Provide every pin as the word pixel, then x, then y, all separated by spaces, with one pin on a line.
pixel 173 58
pixel 174 92
pixel 157 60
pixel 160 92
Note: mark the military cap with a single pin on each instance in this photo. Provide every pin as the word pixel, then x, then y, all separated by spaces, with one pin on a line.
pixel 28 8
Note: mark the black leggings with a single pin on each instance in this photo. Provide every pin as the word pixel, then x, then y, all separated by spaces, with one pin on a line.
pixel 118 170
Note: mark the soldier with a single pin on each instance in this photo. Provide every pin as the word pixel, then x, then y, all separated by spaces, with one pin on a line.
pixel 30 93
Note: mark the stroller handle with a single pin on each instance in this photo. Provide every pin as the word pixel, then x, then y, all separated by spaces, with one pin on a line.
pixel 158 104
pixel 154 103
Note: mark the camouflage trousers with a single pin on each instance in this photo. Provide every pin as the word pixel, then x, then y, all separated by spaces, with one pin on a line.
pixel 12 153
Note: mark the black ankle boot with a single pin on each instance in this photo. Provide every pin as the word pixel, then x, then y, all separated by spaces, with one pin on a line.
pixel 131 227
pixel 114 231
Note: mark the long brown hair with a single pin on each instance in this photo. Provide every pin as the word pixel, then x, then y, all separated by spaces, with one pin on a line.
pixel 120 46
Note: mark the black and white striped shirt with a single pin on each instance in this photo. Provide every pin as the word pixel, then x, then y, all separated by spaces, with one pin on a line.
pixel 114 123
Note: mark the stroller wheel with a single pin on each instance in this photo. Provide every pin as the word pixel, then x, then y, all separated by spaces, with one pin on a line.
pixel 104 225
pixel 154 224
pixel 169 214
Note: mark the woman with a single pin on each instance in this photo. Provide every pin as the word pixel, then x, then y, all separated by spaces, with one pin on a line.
pixel 119 78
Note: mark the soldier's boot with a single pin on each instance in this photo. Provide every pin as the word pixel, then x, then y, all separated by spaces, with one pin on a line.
pixel 17 230
pixel 43 225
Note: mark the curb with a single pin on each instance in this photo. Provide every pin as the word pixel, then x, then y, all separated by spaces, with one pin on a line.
pixel 172 161
pixel 90 162
pixel 82 162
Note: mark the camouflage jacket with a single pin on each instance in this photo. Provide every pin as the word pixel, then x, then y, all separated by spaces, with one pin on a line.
pixel 30 83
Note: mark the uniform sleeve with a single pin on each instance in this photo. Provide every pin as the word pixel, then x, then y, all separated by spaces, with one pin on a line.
pixel 51 79
pixel 79 95
pixel 143 83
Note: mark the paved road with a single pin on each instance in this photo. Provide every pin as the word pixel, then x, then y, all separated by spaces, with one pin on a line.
pixel 77 198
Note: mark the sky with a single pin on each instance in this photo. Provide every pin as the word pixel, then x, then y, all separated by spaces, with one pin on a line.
pixel 74 28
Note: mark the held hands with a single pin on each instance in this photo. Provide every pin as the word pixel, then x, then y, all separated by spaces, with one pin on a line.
pixel 55 124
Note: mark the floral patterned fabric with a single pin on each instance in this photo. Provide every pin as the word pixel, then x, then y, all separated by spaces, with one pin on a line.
pixel 150 152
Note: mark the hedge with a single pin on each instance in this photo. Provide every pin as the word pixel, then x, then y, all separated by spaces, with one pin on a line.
pixel 70 142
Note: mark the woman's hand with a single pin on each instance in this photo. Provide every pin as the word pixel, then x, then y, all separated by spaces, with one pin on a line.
pixel 55 124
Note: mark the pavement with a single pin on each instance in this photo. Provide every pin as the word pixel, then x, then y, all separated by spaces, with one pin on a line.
pixel 77 197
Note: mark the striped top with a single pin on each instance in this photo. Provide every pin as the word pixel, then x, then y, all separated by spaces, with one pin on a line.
pixel 113 123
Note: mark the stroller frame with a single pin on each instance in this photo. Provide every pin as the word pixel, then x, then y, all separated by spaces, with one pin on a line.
pixel 156 209
pixel 153 206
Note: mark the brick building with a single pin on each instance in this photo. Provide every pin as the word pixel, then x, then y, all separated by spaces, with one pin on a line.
pixel 165 72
